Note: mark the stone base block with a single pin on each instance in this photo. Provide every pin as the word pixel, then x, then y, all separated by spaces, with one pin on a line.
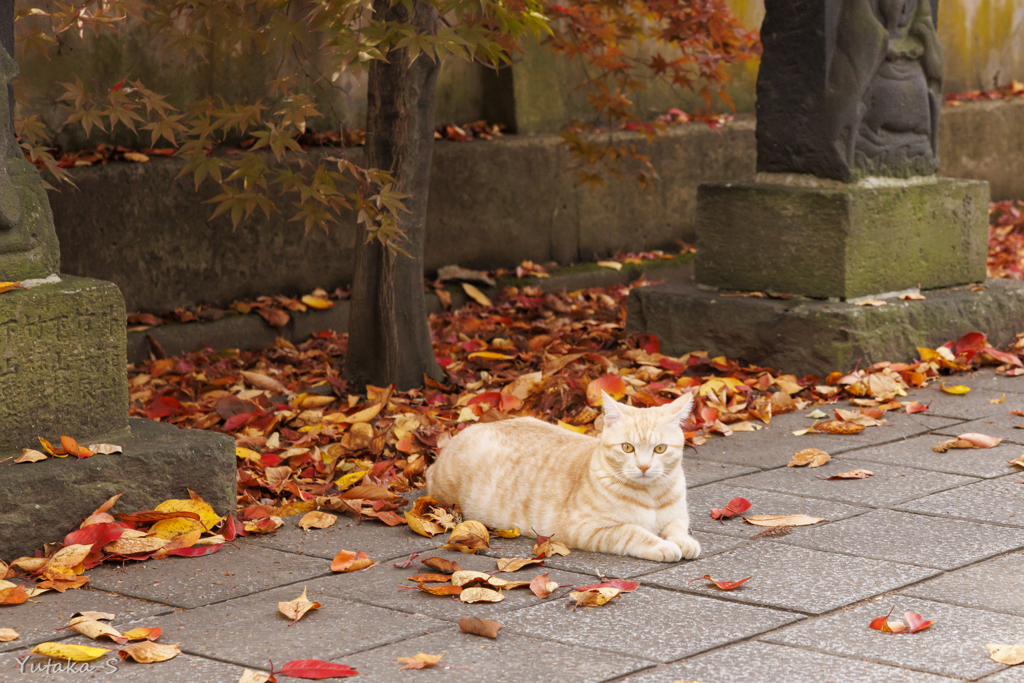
pixel 806 336
pixel 43 501
pixel 825 239
pixel 62 363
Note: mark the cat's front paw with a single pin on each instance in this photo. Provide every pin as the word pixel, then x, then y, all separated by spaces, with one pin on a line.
pixel 688 545
pixel 665 551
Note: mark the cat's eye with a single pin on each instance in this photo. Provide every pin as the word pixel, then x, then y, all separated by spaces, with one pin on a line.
pixel 660 448
pixel 628 447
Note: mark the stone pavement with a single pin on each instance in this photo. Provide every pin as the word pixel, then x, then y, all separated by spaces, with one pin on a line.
pixel 937 534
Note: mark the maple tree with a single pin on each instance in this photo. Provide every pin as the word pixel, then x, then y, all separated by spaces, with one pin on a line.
pixel 398 46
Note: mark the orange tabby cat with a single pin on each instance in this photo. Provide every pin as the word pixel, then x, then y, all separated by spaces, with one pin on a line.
pixel 622 493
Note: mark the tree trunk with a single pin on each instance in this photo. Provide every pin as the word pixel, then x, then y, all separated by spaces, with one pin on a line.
pixel 389 338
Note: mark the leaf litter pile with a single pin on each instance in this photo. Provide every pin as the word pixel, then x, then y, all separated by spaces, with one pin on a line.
pixel 306 445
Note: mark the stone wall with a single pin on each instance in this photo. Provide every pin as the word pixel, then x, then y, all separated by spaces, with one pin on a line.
pixel 492 204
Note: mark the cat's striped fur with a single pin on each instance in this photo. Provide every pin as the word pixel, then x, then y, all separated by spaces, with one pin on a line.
pixel 591 493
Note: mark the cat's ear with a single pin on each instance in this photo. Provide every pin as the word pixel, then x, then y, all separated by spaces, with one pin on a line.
pixel 612 410
pixel 680 409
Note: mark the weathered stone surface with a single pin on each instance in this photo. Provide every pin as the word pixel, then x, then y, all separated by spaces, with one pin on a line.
pixel 231 572
pixel 911 539
pixel 811 237
pixel 888 486
pixel 181 669
pixel 806 336
pixel 650 623
pixel 62 363
pixel 250 630
pixel 918 453
pixel 379 541
pixel 981 402
pixel 510 657
pixel 849 89
pixel 1001 425
pixel 790 578
pixel 998 500
pixel 700 472
pixel 38 620
pixel 604 565
pixel 953 646
pixel 701 500
pixel 756 662
pixel 43 500
pixel 996 585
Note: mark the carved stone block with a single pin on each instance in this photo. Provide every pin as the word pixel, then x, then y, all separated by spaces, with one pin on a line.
pixel 849 88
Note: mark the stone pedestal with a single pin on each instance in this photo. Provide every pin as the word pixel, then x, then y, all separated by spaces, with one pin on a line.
pixel 797 234
pixel 62 363
pixel 809 336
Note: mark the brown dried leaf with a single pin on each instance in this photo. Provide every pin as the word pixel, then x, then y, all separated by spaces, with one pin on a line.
pixel 852 474
pixel 148 652
pixel 595 597
pixel 441 564
pixel 512 564
pixel 96 629
pixel 1011 655
pixel 477 594
pixel 349 561
pixel 421 660
pixel 30 455
pixel 317 520
pixel 812 457
pixel 542 587
pixel 9 634
pixel 837 427
pixel 297 608
pixel 782 520
pixel 468 537
pixel 479 627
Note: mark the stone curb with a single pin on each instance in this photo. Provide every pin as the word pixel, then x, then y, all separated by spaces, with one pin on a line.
pixel 250 331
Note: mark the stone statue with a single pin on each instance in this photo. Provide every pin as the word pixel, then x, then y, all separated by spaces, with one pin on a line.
pixel 28 242
pixel 849 88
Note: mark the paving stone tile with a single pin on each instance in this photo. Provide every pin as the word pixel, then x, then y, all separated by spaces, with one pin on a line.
pixel 972 462
pixel 995 500
pixel 1014 674
pixel 701 500
pixel 250 631
pixel 996 584
pixel 38 619
pixel 791 578
pixel 953 646
pixel 890 484
pixel 987 378
pixel 602 564
pixel 971 406
pixel 772 446
pixel 379 585
pixel 193 581
pixel 511 658
pixel 1002 425
pixel 650 623
pixel 911 539
pixel 181 669
pixel 700 472
pixel 378 540
pixel 756 662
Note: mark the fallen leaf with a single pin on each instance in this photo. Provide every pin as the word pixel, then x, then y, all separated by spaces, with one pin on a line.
pixel 541 586
pixel 852 474
pixel 916 622
pixel 871 302
pixel 1001 399
pixel 9 634
pixel 105 448
pixel 817 414
pixel 956 390
pixel 595 597
pixel 96 629
pixel 812 457
pixel 782 520
pixel 349 561
pixel 251 676
pixel 1019 462
pixel 462 578
pixel 297 608
pixel 439 590
pixel 614 265
pixel 476 295
pixel 76 653
pixel 736 506
pixel 887 625
pixel 441 564
pixel 857 418
pixel 29 455
pixel 430 578
pixel 1011 655
pixel 980 440
pixel 314 669
pixel 606 384
pixel 317 520
pixel 147 652
pixel 915 407
pixel 468 537
pixel 512 564
pixel 478 594
pixel 723 585
pixel 207 516
pixel 546 547
pixel 622 584
pixel 318 302
pixel 837 427
pixel 508 533
pixel 912 296
pixel 261 381
pixel 8 286
pixel 143 633
pixel 479 627
pixel 420 660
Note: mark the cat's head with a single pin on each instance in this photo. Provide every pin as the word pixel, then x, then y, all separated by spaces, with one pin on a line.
pixel 644 444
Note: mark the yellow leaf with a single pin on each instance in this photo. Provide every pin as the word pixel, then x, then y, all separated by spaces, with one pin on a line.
pixel 476 295
pixel 317 520
pixel 351 479
pixel 1001 399
pixel 477 594
pixel 509 533
pixel 782 520
pixel 812 457
pixel 148 652
pixel 491 355
pixel 8 634
pixel 76 653
pixel 1010 655
pixel 512 564
pixel 246 454
pixel 317 302
pixel 580 429
pixel 170 529
pixel 206 514
pixel 594 597
pixel 614 265
pixel 420 661
pixel 295 507
pixel 956 390
pixel 298 607
pixel 8 286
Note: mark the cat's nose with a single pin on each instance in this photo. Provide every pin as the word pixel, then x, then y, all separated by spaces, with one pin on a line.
pixel 643 468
